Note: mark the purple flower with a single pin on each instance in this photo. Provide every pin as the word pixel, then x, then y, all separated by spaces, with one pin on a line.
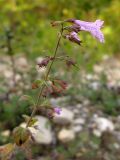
pixel 72 36
pixel 57 110
pixel 92 27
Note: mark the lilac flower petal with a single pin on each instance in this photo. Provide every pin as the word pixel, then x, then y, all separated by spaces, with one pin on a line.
pixel 99 23
pixel 98 34
pixel 57 110
pixel 92 27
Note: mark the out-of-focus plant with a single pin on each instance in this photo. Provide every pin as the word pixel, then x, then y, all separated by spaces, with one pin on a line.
pixel 49 85
pixel 8 38
pixel 26 14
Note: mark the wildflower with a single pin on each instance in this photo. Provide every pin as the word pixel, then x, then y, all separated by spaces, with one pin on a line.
pixel 73 37
pixel 92 27
pixel 49 111
pixel 57 110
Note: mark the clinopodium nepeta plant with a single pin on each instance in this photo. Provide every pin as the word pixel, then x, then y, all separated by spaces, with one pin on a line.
pixel 69 29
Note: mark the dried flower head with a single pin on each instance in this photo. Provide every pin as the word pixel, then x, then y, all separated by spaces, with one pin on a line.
pixel 45 62
pixel 56 87
pixel 73 37
pixel 61 83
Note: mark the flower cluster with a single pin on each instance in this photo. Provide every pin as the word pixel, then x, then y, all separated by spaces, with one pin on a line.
pixel 78 25
pixel 92 27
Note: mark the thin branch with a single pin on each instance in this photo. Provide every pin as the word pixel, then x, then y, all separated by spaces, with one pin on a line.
pixel 46 77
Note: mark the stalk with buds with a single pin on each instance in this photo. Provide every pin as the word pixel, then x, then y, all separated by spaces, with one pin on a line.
pixel 69 29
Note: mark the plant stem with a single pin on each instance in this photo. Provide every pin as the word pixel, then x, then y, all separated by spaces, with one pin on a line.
pixel 46 77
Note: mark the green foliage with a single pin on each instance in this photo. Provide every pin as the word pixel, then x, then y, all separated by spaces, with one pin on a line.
pixel 32 122
pixel 11 112
pixel 29 22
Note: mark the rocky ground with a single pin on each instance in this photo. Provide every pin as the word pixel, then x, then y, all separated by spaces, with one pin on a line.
pixel 80 118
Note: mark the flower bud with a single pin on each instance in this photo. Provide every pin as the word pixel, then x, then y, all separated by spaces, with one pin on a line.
pixel 73 37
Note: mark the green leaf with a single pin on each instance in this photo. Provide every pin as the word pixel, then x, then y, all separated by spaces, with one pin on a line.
pixel 38 82
pixel 32 121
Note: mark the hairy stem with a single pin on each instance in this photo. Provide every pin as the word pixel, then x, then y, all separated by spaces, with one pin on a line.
pixel 46 77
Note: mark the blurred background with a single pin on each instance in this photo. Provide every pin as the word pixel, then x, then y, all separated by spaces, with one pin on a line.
pixel 88 127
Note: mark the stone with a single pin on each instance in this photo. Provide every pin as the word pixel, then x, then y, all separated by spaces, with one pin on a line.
pixel 41 132
pixel 95 85
pixel 76 111
pixel 80 121
pixel 8 74
pixel 101 124
pixel 77 128
pixel 79 106
pixel 116 146
pixel 64 118
pixel 98 69
pixel 57 101
pixel 5 133
pixel 89 76
pixel 21 63
pixel 86 102
pixel 66 135
pixel 4 68
pixel 17 77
